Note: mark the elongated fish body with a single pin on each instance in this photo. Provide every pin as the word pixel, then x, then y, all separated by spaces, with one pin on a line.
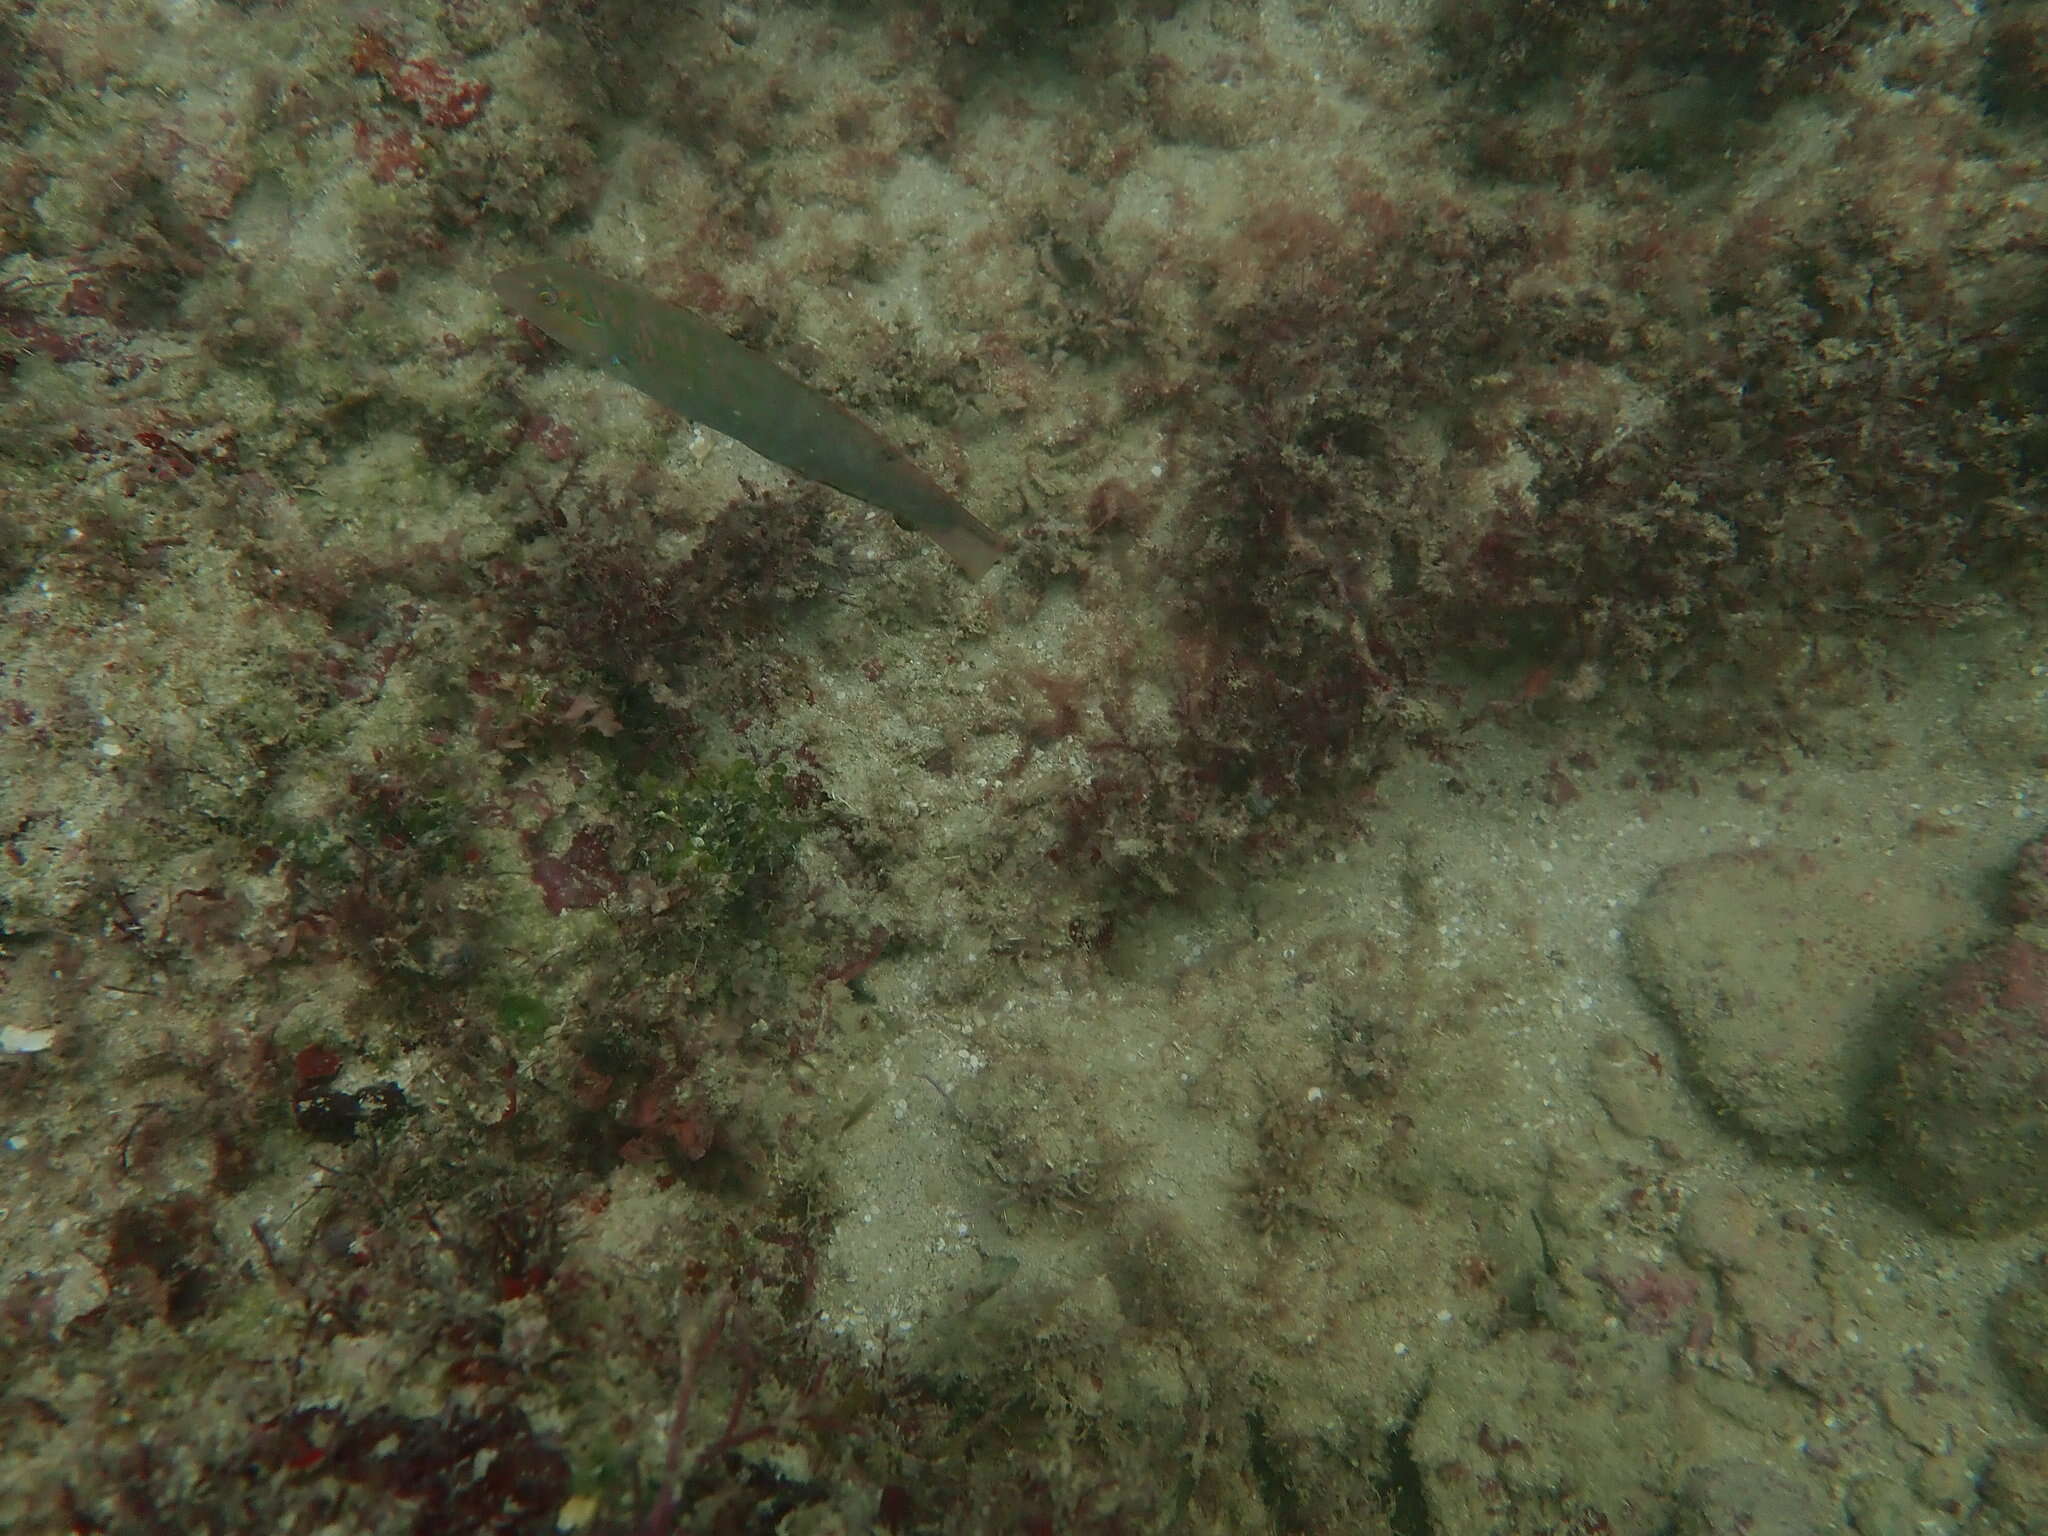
pixel 690 366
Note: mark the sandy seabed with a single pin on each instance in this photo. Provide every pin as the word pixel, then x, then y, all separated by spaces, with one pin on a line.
pixel 1376 974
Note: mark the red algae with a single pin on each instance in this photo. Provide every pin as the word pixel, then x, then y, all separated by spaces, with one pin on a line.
pixel 550 980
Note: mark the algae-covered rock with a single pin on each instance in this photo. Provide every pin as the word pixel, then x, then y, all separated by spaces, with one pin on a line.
pixel 1775 967
pixel 1746 1498
pixel 2026 897
pixel 2014 1487
pixel 1969 1105
pixel 2019 1337
pixel 1969 1102
pixel 1520 1436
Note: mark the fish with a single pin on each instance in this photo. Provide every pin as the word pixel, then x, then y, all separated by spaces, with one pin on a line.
pixel 683 361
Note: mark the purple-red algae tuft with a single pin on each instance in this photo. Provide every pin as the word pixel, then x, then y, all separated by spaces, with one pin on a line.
pixel 479 849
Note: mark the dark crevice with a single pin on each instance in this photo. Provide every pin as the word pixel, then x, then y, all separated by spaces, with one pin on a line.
pixel 1401 1489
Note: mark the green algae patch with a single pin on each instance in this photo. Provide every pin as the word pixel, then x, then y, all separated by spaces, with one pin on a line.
pixel 728 829
pixel 523 1017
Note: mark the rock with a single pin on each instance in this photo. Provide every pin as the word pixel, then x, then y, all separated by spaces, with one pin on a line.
pixel 2014 1487
pixel 1775 967
pixel 1969 1104
pixel 1880 1505
pixel 2019 1337
pixel 1520 1435
pixel 1628 1082
pixel 1745 1498
pixel 2027 895
pixel 1724 1228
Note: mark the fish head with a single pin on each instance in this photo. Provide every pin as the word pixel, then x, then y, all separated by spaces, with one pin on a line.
pixel 551 298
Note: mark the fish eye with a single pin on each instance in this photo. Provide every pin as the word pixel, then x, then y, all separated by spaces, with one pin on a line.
pixel 550 296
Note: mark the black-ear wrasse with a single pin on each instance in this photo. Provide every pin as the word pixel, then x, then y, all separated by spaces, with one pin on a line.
pixel 687 364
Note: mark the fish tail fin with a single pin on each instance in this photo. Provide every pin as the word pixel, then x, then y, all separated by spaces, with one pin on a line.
pixel 973 546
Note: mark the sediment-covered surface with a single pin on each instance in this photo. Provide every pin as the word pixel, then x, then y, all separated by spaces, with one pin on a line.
pixel 1451 942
